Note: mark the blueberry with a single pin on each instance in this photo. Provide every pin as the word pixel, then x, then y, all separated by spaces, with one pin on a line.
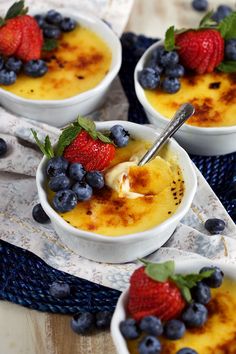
pixel 200 5
pixel 201 293
pixel 2 62
pixel 171 85
pixel 215 226
pixel 151 325
pixel 67 24
pixel 230 49
pixel 3 147
pixel 216 279
pixel 65 200
pixel 53 17
pixel 57 166
pixel 153 65
pixel 7 77
pixel 195 315
pixel 175 71
pixel 157 53
pixel 95 179
pixel 59 183
pixel 35 68
pixel 13 64
pixel 59 289
pixel 83 323
pixel 221 12
pixel 129 328
pixel 76 171
pixel 149 345
pixel 40 19
pixel 82 190
pixel 169 59
pixel 119 135
pixel 103 319
pixel 149 79
pixel 51 31
pixel 186 351
pixel 39 214
pixel 174 329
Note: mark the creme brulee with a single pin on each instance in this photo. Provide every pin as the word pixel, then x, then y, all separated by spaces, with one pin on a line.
pixel 213 96
pixel 159 182
pixel 79 63
pixel 218 334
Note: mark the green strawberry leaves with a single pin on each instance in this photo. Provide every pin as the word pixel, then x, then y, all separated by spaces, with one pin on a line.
pixel 17 9
pixel 45 147
pixel 161 272
pixel 66 137
pixel 227 66
pixel 49 44
pixel 227 27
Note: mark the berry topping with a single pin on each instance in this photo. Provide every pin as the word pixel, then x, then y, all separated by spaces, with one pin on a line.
pixel 83 322
pixel 169 59
pixel 103 319
pixel 95 179
pixel 175 71
pixel 174 329
pixel 65 200
pixel 195 315
pixel 1 62
pixel 215 279
pixel 83 191
pixel 39 214
pixel 40 20
pixel 51 31
pixel 149 78
pixel 149 345
pixel 13 64
pixel 56 166
pixel 7 77
pixel 230 49
pixel 186 351
pixel 10 37
pixel 157 53
pixel 215 226
pixel 53 17
pixel 171 85
pixel 221 12
pixel 35 68
pixel 59 289
pixel 76 171
pixel 119 135
pixel 58 183
pixel 129 328
pixel 67 24
pixel 3 147
pixel 201 293
pixel 151 325
pixel 200 5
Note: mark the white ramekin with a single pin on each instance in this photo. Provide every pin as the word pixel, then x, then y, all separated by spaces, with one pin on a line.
pixel 185 266
pixel 60 112
pixel 122 248
pixel 196 140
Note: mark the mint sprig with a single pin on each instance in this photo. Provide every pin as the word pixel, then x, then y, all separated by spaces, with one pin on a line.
pixel 207 21
pixel 45 147
pixel 227 27
pixel 17 9
pixel 227 66
pixel 169 42
pixel 161 272
pixel 49 44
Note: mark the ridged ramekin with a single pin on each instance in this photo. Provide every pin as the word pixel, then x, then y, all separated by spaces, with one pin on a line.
pixel 60 112
pixel 129 247
pixel 195 140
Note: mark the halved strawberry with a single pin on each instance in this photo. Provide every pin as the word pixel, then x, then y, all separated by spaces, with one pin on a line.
pixel 10 37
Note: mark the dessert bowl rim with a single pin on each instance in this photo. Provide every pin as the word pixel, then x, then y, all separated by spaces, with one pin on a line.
pixel 126 238
pixel 83 96
pixel 157 115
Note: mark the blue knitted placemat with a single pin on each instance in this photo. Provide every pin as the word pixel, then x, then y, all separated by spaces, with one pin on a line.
pixel 25 278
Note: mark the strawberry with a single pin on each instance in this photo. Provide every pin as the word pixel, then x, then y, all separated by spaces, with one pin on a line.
pixel 200 50
pixel 10 37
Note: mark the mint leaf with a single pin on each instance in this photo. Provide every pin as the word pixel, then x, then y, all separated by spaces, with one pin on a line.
pixel 2 22
pixel 104 138
pixel 227 26
pixel 207 21
pixel 169 42
pixel 46 148
pixel 227 66
pixel 49 44
pixel 186 293
pixel 66 137
pixel 16 9
pixel 87 124
pixel 160 271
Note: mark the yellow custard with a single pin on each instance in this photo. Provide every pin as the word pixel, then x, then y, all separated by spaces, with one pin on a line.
pixel 81 60
pixel 161 186
pixel 213 96
pixel 218 334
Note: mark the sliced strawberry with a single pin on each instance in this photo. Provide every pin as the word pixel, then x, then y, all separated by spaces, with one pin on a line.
pixel 10 37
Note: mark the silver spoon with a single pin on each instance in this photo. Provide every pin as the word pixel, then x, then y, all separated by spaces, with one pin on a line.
pixel 184 112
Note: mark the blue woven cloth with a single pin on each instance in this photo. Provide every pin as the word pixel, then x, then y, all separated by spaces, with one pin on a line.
pixel 25 278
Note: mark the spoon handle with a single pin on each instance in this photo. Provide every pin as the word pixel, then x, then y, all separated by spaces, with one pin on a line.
pixel 184 112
